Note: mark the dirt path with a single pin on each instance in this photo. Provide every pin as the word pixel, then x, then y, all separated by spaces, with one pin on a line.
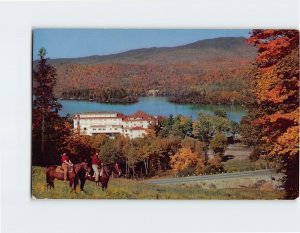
pixel 237 150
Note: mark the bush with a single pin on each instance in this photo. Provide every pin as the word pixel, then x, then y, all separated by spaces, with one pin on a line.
pixel 255 154
pixel 214 165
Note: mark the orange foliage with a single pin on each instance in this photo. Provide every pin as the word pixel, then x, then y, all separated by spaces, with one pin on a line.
pixel 221 76
pixel 277 88
pixel 186 159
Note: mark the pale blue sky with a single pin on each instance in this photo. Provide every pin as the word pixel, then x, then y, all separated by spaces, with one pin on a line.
pixel 69 43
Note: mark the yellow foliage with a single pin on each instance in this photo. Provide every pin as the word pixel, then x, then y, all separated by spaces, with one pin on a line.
pixel 288 143
pixel 186 159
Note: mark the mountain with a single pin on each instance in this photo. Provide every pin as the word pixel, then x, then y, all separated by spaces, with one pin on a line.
pixel 200 51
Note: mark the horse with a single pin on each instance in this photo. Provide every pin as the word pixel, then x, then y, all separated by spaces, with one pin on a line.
pixel 77 173
pixel 108 169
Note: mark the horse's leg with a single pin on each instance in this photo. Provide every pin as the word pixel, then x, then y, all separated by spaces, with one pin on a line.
pixel 82 181
pixel 99 181
pixel 48 180
pixel 106 182
pixel 72 182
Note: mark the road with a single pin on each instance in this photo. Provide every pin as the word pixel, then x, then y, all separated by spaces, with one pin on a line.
pixel 179 180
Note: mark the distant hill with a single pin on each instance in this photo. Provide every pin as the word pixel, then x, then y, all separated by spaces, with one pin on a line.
pixel 202 50
pixel 206 71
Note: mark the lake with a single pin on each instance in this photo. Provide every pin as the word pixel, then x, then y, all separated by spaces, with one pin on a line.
pixel 151 105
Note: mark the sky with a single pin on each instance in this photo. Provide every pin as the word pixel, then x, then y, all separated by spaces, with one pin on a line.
pixel 71 43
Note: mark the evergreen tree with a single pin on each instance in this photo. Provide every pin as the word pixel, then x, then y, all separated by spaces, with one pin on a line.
pixel 45 111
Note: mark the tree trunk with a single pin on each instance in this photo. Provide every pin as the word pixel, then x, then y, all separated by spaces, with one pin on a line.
pixel 146 167
pixel 126 167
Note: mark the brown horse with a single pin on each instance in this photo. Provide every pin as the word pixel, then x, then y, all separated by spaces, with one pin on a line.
pixel 78 172
pixel 108 169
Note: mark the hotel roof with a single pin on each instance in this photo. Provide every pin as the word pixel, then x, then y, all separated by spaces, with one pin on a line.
pixel 137 116
pixel 95 113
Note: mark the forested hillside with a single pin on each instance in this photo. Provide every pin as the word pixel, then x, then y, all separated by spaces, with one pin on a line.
pixel 207 71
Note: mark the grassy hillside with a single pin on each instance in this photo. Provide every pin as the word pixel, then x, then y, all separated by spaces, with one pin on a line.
pixel 131 189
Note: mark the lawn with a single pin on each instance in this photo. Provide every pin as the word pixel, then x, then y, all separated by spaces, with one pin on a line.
pixel 131 189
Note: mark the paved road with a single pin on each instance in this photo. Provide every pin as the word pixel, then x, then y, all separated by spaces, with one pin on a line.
pixel 179 180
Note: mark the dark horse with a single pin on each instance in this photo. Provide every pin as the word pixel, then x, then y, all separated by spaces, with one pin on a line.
pixel 108 169
pixel 78 173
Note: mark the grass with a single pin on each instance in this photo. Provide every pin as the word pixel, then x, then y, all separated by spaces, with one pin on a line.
pixel 130 189
pixel 245 165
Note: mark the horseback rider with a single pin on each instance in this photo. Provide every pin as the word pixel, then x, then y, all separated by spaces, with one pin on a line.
pixel 95 165
pixel 66 163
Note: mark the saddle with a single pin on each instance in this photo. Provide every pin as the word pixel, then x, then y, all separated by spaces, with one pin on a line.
pixel 59 169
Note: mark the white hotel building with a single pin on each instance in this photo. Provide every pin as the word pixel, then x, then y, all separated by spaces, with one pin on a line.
pixel 113 123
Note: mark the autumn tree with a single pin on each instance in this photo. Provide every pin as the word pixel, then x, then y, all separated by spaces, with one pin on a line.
pixel 214 165
pixel 79 147
pixel 45 111
pixel 187 162
pixel 250 134
pixel 277 91
pixel 194 144
pixel 168 147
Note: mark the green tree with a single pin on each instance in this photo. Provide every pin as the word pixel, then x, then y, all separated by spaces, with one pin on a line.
pixel 235 128
pixel 45 111
pixel 186 125
pixel 203 129
pixel 218 144
pixel 108 152
pixel 132 156
pixel 220 113
pixel 221 124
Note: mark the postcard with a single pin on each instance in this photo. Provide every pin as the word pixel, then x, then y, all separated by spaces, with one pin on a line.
pixel 165 114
